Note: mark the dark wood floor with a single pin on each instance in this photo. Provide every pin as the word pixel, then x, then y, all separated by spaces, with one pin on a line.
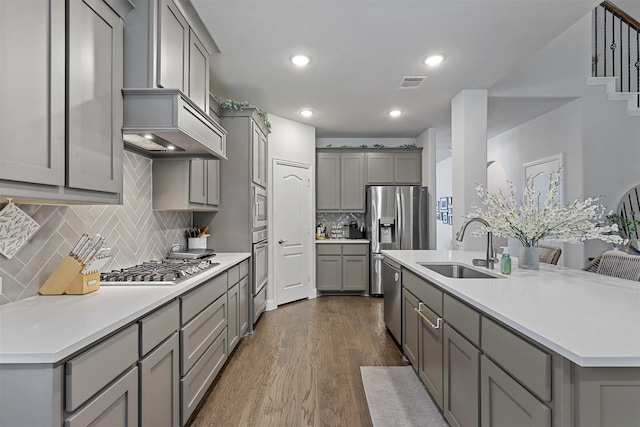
pixel 301 367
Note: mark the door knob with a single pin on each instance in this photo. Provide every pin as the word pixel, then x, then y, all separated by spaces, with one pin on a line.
pixel 282 241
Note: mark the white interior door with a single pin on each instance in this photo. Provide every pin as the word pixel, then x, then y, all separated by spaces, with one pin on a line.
pixel 291 231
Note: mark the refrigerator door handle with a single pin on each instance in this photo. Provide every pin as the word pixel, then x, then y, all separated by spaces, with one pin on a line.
pixel 399 218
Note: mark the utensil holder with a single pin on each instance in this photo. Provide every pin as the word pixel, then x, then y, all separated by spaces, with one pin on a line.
pixel 67 279
pixel 197 242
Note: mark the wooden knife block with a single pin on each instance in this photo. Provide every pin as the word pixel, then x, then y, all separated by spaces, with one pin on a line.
pixel 67 279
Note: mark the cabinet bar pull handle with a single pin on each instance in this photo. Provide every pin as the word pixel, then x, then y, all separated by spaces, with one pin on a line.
pixel 429 322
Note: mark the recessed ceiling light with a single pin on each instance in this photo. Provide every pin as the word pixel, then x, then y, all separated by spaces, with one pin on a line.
pixel 148 136
pixel 395 113
pixel 434 59
pixel 300 60
pixel 170 147
pixel 306 113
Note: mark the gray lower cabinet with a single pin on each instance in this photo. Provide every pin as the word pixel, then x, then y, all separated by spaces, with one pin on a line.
pixel 233 316
pixel 504 402
pixel 152 372
pixel 244 297
pixel 340 182
pixel 159 385
pixel 117 405
pixel 342 268
pixel 159 367
pixel 203 340
pixel 423 332
pixel 410 328
pixel 238 304
pixel 607 396
pixel 461 380
pixel 183 184
pixel 431 355
pixel 481 372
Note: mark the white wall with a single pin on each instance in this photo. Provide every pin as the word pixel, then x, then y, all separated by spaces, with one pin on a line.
pixel 292 141
pixel 600 140
pixel 444 178
pixel 558 131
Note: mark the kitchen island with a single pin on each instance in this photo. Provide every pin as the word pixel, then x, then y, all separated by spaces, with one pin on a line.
pixel 70 358
pixel 553 346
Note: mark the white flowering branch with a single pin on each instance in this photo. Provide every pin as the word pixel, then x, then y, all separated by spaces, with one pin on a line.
pixel 531 221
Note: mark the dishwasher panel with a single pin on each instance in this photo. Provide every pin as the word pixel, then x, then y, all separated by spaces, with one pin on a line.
pixel 392 284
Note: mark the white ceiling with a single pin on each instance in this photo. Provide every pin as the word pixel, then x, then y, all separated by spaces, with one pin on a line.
pixel 361 49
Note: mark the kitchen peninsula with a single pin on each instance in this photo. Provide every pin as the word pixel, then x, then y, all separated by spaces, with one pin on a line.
pixel 553 346
pixel 119 351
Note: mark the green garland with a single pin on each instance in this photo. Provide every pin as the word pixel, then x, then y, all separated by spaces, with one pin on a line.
pixel 229 104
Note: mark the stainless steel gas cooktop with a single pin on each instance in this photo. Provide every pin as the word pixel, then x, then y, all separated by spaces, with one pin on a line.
pixel 157 273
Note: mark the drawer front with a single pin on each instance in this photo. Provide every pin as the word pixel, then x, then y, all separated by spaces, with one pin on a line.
pixel 328 249
pixel 195 384
pixel 233 276
pixel 117 404
pixel 196 300
pixel 354 249
pixel 504 402
pixel 198 334
pixel 244 268
pixel 97 367
pixel 423 290
pixel 524 361
pixel 463 318
pixel 157 326
pixel 259 304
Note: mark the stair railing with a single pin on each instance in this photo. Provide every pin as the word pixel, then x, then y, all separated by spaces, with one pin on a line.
pixel 616 47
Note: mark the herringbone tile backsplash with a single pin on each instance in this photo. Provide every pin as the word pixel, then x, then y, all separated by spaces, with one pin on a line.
pixel 134 231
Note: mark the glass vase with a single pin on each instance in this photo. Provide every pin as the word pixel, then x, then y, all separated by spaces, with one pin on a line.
pixel 528 258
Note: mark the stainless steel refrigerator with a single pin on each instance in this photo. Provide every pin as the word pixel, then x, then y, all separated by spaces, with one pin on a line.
pixel 396 219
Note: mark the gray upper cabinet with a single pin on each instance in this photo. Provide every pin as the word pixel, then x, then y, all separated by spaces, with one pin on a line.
pixel 352 192
pixel 340 182
pixel 407 168
pixel 198 72
pixel 259 153
pixel 74 80
pixel 379 168
pixel 183 184
pixel 388 167
pixel 95 147
pixel 328 181
pixel 32 105
pixel 168 47
pixel 173 47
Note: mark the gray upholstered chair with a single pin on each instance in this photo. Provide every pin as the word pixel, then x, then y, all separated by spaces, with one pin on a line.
pixel 619 264
pixel 549 254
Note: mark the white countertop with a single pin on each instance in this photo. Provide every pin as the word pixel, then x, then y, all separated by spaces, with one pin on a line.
pixel 343 241
pixel 591 319
pixel 47 329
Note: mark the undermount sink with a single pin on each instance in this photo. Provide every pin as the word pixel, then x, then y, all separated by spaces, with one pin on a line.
pixel 459 271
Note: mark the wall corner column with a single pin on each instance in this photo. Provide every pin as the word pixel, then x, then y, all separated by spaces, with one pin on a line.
pixel 469 159
pixel 427 140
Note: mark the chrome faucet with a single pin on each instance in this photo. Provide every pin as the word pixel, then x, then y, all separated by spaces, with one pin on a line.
pixel 491 259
